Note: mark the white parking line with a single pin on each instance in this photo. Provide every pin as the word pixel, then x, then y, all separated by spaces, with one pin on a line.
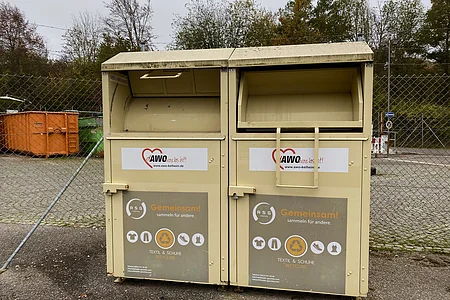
pixel 418 162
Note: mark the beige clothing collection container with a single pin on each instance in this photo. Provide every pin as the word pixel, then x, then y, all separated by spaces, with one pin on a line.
pixel 248 167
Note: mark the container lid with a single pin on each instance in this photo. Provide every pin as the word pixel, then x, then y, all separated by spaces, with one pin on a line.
pixel 301 54
pixel 176 59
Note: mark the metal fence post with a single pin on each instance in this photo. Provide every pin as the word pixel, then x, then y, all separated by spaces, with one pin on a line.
pixel 49 208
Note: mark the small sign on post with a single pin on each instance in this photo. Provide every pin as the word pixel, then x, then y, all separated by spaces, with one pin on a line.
pixel 389 114
pixel 389 124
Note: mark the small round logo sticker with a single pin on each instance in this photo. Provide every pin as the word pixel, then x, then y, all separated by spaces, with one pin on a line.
pixel 136 208
pixel 165 238
pixel 264 213
pixel 296 246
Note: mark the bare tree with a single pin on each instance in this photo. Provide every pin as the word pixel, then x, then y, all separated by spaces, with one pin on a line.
pixel 82 40
pixel 130 20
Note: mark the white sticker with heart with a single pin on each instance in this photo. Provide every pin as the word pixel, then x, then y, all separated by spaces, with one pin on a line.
pixel 332 160
pixel 154 158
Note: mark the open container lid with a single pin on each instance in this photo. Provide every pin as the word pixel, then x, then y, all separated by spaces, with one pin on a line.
pixel 326 96
pixel 176 59
pixel 301 54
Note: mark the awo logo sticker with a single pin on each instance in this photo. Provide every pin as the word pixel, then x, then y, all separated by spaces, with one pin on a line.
pixel 288 156
pixel 331 160
pixel 190 159
pixel 149 156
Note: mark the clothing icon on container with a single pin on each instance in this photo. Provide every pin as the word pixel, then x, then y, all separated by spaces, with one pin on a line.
pixel 132 236
pixel 317 247
pixel 146 237
pixel 274 244
pixel 183 239
pixel 258 243
pixel 198 239
pixel 334 248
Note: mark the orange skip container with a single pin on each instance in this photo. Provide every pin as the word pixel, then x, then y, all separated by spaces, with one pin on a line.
pixel 41 133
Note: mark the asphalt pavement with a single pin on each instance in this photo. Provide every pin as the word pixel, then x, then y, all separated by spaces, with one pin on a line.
pixel 69 263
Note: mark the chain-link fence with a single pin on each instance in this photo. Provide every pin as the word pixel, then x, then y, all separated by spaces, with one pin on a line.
pixel 48 125
pixel 410 195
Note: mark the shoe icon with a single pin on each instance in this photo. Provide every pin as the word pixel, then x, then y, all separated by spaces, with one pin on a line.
pixel 317 247
pixel 183 239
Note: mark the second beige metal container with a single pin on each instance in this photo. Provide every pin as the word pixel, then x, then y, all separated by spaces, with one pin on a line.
pixel 300 121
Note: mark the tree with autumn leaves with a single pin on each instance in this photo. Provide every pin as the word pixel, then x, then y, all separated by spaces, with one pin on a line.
pixel 435 35
pixel 419 39
pixel 22 49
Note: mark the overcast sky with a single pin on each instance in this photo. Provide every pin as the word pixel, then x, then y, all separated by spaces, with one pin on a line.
pixel 59 13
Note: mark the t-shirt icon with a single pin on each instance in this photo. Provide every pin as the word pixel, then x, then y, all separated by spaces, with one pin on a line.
pixel 258 243
pixel 132 236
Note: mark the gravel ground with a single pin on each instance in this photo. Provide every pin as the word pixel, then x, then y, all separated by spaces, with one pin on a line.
pixel 72 266
pixel 30 184
pixel 410 201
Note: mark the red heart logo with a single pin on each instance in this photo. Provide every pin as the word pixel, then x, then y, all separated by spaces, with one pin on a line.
pixel 151 151
pixel 282 151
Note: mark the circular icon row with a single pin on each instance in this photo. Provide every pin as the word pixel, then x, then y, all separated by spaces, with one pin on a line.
pixel 296 246
pixel 165 238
